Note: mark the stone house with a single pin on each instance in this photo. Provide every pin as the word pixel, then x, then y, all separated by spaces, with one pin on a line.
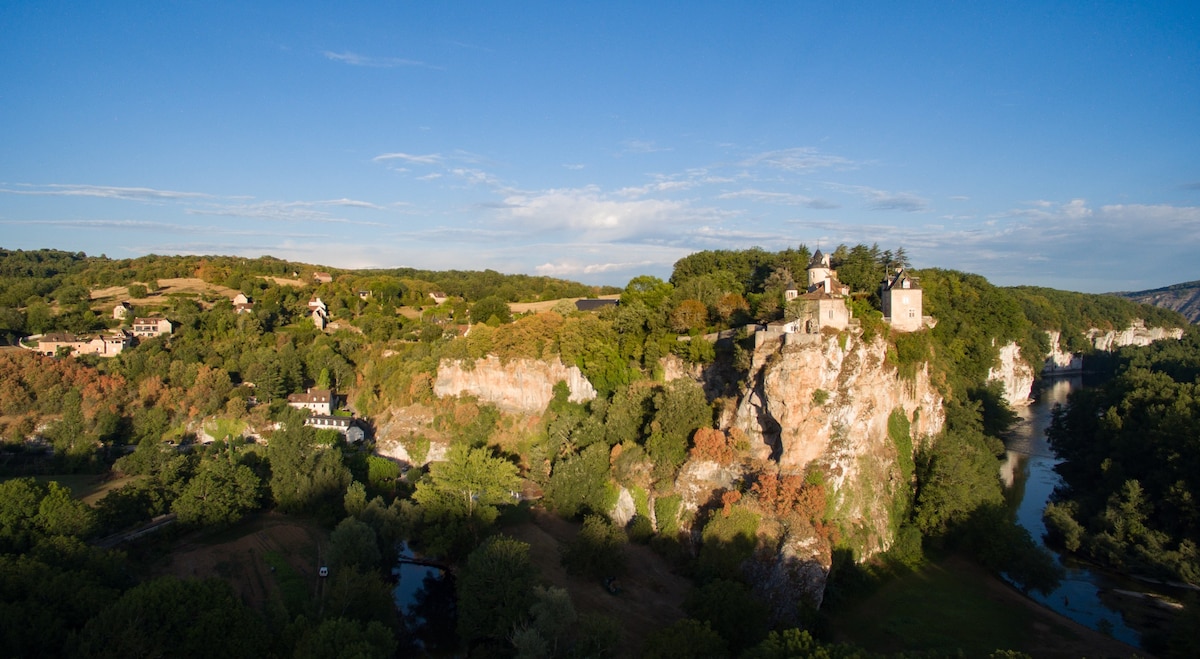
pixel 148 327
pixel 319 401
pixel 901 301
pixel 105 344
pixel 322 277
pixel 121 310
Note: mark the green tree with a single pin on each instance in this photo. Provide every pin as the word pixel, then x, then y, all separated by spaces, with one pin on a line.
pixel 685 639
pixel 353 543
pixel 340 638
pixel 220 494
pixel 495 591
pixel 170 617
pixel 598 551
pixel 466 492
pixel 491 310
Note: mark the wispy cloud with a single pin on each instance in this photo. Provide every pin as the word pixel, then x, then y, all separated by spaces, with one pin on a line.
pixel 355 59
pixel 101 191
pixel 798 159
pixel 578 268
pixel 294 211
pixel 641 146
pixel 882 200
pixel 596 215
pixel 162 227
pixel 786 198
pixel 426 159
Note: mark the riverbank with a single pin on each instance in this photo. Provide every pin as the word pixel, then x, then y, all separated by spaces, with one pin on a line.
pixel 953 604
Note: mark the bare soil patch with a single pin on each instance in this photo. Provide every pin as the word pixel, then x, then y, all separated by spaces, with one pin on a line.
pixel 237 555
pixel 547 305
pixel 285 282
pixel 651 594
pixel 178 285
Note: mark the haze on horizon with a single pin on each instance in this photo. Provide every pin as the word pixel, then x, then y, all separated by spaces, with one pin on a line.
pixel 1052 144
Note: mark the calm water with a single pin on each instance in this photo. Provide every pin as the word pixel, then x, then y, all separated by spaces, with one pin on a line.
pixel 424 595
pixel 1028 473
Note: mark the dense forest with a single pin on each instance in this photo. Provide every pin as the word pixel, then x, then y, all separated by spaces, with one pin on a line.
pixel 139 418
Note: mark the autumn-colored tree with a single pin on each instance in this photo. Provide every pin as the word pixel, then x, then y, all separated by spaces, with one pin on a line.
pixel 689 315
pixel 712 444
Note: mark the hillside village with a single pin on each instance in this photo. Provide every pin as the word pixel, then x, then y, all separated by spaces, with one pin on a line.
pixel 732 433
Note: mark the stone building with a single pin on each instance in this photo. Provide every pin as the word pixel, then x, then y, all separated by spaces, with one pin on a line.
pixel 901 303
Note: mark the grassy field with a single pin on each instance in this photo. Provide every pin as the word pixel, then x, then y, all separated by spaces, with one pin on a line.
pixel 952 604
pixel 88 488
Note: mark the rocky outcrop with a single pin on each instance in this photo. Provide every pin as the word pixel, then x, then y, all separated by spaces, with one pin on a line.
pixel 1137 334
pixel 826 400
pixel 520 385
pixel 1016 375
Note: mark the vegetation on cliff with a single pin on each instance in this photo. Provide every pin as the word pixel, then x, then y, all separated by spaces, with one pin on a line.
pixel 225 375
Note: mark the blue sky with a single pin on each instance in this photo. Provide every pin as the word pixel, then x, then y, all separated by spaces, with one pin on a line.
pixel 1052 144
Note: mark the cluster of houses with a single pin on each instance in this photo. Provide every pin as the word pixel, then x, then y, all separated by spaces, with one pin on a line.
pixel 107 343
pixel 824 303
pixel 111 342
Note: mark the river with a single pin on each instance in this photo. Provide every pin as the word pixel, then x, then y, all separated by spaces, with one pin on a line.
pixel 1028 473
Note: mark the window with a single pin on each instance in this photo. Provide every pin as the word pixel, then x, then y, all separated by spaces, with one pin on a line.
pixel 912 313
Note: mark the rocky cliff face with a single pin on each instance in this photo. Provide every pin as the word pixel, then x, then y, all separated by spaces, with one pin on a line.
pixel 826 400
pixel 1016 376
pixel 521 385
pixel 1137 334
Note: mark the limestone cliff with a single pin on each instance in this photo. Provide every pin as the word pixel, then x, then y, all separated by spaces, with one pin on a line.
pixel 826 400
pixel 1016 375
pixel 520 385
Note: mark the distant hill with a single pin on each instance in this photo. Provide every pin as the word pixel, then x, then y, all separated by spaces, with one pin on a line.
pixel 1184 298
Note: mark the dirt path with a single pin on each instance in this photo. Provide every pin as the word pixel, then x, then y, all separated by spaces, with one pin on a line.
pixel 651 595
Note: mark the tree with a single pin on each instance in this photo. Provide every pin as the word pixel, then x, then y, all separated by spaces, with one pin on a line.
pixel 220 494
pixel 495 590
pixel 598 551
pixel 340 638
pixel 171 617
pixel 353 543
pixel 684 639
pixel 492 311
pixel 465 491
pixel 689 315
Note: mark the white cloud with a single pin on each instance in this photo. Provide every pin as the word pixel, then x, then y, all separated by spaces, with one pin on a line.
pixel 101 191
pixel 294 211
pixel 786 198
pixel 588 211
pixel 355 59
pixel 427 159
pixel 882 200
pixel 798 159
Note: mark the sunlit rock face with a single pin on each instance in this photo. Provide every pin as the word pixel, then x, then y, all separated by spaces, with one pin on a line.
pixel 520 385
pixel 825 402
pixel 1016 376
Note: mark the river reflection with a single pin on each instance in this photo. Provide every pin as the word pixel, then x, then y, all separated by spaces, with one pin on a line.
pixel 1028 473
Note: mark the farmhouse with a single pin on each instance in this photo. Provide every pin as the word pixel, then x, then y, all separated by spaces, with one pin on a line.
pixel 147 327
pixel 105 344
pixel 319 401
